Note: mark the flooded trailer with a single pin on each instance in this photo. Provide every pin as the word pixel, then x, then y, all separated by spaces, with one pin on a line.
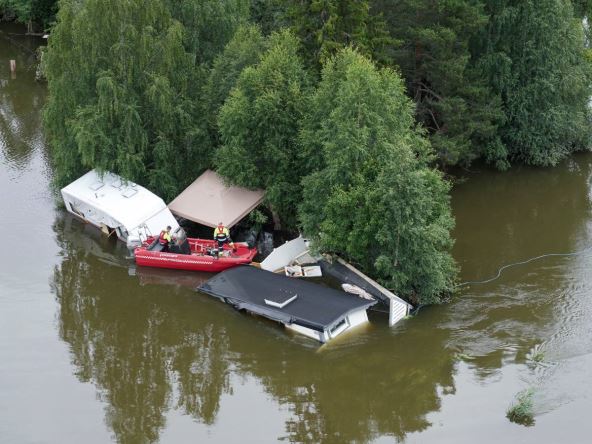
pixel 310 309
pixel 118 207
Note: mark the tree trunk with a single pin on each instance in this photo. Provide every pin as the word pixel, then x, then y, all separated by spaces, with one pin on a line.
pixel 277 225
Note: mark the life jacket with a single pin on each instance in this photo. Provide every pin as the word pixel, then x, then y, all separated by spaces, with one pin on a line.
pixel 164 238
pixel 221 233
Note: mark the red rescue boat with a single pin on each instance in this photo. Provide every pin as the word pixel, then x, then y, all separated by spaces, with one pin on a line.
pixel 193 254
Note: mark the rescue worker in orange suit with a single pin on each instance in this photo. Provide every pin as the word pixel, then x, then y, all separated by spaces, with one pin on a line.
pixel 165 238
pixel 222 235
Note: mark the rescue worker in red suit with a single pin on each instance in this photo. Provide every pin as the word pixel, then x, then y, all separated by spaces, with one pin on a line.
pixel 165 238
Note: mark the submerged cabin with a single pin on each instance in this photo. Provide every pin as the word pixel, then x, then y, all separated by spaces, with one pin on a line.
pixel 297 252
pixel 310 309
pixel 116 206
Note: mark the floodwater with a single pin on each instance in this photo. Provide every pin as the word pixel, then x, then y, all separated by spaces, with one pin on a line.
pixel 93 350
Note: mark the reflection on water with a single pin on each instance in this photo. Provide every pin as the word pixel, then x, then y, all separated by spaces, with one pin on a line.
pixel 20 101
pixel 511 217
pixel 134 347
pixel 164 276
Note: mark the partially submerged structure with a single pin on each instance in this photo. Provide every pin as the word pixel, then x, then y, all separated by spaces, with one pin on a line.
pixel 312 310
pixel 208 200
pixel 348 274
pixel 118 207
pixel 297 252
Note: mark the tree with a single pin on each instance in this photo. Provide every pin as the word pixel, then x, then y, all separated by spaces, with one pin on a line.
pixel 582 8
pixel 533 57
pixel 259 126
pixel 123 94
pixel 325 26
pixel 41 12
pixel 373 197
pixel 209 24
pixel 269 15
pixel 452 101
pixel 244 50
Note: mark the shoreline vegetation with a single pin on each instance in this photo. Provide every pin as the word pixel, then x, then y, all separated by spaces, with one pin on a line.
pixel 349 113
pixel 521 409
pixel 36 15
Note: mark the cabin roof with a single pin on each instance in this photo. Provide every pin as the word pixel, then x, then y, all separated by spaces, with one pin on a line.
pixel 127 202
pixel 315 306
pixel 208 200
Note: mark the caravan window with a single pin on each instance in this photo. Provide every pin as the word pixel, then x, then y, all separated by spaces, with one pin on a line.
pixel 339 327
pixel 121 233
pixel 76 210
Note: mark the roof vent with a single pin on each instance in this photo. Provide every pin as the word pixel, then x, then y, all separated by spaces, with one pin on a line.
pixel 96 185
pixel 129 192
pixel 281 304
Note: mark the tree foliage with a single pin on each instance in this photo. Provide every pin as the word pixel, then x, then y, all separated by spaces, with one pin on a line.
pixel 259 126
pixel 41 12
pixel 373 196
pixel 124 100
pixel 325 26
pixel 582 8
pixel 270 15
pixel 245 49
pixel 209 24
pixel 452 101
pixel 533 57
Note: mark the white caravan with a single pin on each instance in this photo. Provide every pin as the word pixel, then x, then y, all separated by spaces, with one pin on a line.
pixel 119 207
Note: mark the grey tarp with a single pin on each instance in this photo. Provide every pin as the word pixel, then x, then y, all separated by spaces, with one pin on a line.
pixel 342 274
pixel 208 201
pixel 346 276
pixel 316 307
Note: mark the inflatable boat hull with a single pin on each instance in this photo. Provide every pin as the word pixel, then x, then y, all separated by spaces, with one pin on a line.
pixel 201 258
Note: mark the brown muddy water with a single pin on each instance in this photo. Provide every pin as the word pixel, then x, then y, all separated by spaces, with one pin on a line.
pixel 93 350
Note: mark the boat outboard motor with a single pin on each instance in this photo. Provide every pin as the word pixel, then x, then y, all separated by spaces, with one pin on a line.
pixel 132 243
pixel 180 244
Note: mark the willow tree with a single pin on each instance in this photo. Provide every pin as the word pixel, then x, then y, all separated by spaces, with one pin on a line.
pixel 122 94
pixel 373 196
pixel 534 58
pixel 259 126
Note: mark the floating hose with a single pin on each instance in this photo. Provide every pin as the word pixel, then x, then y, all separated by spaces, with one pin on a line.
pixel 416 310
pixel 532 259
